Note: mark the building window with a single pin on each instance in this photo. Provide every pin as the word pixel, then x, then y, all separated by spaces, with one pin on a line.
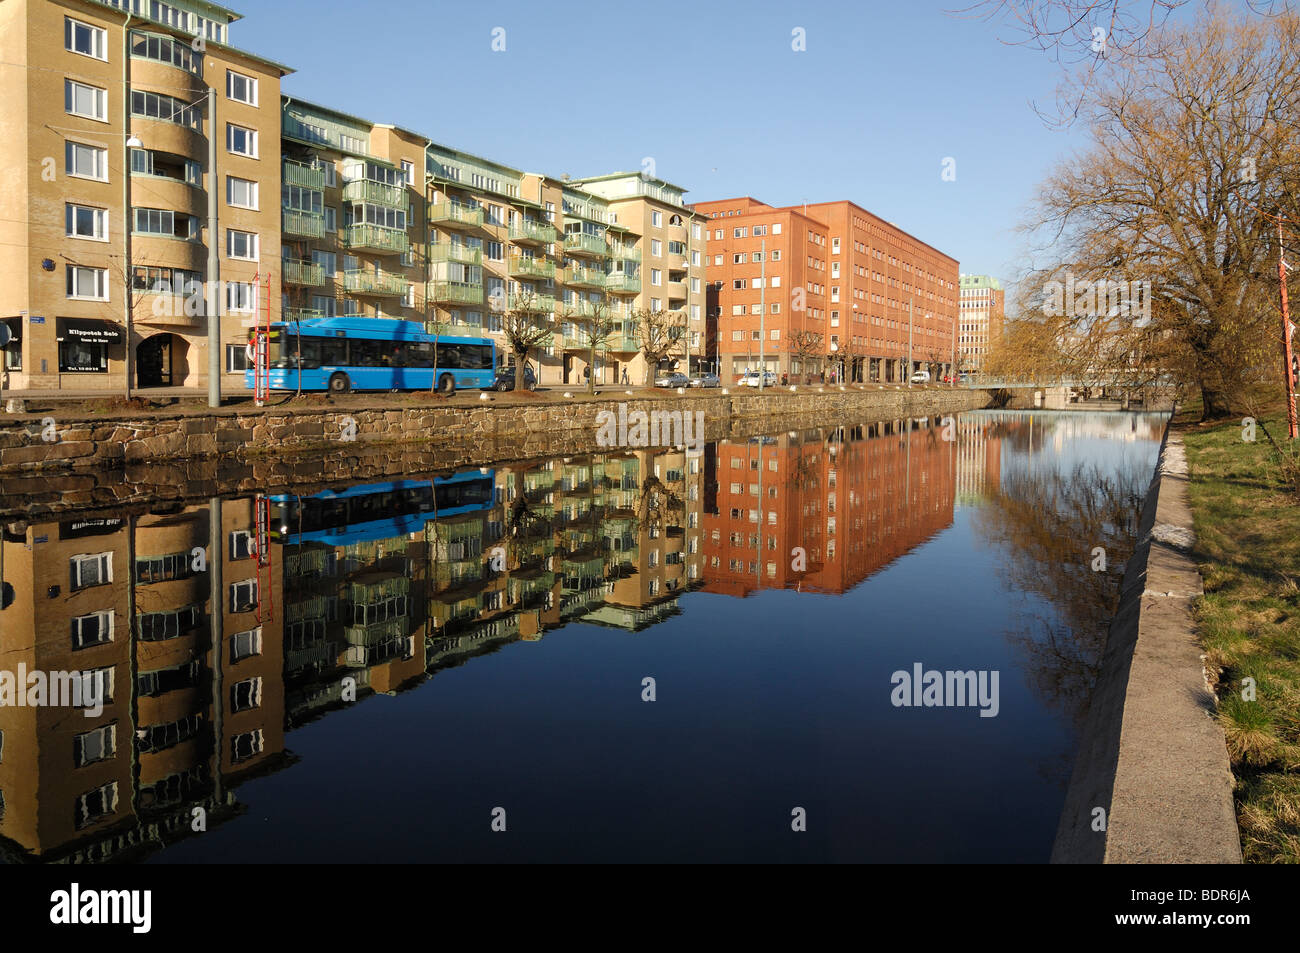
pixel 168 623
pixel 246 644
pixel 739 232
pixel 93 629
pixel 86 162
pixel 408 168
pixel 246 695
pixel 776 254
pixel 241 88
pixel 241 245
pixel 241 141
pixel 236 358
pixel 97 745
pixel 96 804
pixel 656 219
pixel 656 276
pixel 243 596
pixel 83 221
pixel 89 102
pixel 241 193
pixel 656 247
pixel 241 296
pixel 245 746
pixel 776 228
pixel 90 284
pixel 85 39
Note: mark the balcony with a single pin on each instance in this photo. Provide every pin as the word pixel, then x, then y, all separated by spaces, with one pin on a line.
pixel 580 308
pixel 302 314
pixel 303 273
pixel 587 277
pixel 455 215
pixel 581 243
pixel 532 267
pixel 540 233
pixel 375 283
pixel 376 193
pixel 455 292
pixel 460 254
pixel 676 290
pixel 303 174
pixel 624 342
pixel 304 224
pixel 622 283
pixel 376 238
pixel 544 304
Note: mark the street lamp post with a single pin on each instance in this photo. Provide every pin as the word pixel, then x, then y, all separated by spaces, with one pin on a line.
pixel 762 315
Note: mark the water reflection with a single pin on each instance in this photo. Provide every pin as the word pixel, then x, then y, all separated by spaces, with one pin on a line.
pixel 224 628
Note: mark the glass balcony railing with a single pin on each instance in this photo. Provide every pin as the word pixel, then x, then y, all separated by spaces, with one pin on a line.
pixel 540 303
pixel 376 238
pixel 455 292
pixel 584 276
pixel 375 283
pixel 376 193
pixel 304 174
pixel 461 254
pixel 304 224
pixel 303 273
pixel 584 244
pixel 455 215
pixel 623 283
pixel 580 308
pixel 532 267
pixel 526 231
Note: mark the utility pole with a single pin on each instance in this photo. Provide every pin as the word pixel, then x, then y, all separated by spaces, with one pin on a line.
pixel 909 341
pixel 214 262
pixel 128 217
pixel 1291 422
pixel 762 315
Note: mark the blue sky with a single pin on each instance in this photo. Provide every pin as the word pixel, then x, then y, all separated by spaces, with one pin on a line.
pixel 882 94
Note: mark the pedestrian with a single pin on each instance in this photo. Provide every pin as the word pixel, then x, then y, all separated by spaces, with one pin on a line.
pixel 625 375
pixel 785 379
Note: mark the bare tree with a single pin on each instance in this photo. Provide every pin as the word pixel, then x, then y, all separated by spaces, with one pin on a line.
pixel 658 334
pixel 526 326
pixel 805 345
pixel 1191 150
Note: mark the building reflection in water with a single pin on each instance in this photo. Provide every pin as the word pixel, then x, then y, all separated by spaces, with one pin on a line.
pixel 220 628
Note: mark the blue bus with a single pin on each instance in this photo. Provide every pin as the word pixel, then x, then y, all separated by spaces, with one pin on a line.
pixel 378 510
pixel 345 354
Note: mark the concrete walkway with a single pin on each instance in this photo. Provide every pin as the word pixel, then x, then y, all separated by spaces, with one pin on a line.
pixel 1151 753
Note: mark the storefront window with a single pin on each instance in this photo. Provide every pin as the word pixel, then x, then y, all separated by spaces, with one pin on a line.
pixel 78 357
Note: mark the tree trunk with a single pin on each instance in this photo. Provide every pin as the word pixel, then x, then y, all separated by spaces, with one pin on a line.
pixel 519 370
pixel 1214 402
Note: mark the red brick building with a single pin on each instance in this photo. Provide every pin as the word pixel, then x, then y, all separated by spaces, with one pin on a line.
pixel 825 289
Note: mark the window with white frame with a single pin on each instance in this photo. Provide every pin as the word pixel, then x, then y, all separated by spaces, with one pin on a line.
pixel 241 544
pixel 88 284
pixel 96 687
pixel 93 629
pixel 246 695
pixel 408 168
pixel 85 221
pixel 331 219
pixel 776 228
pixel 246 644
pixel 243 596
pixel 656 276
pixel 99 744
pixel 241 193
pixel 241 141
pixel 85 39
pixel 245 746
pixel 656 219
pixel 89 102
pixel 241 88
pixel 86 162
pixel 656 247
pixel 241 296
pixel 241 245
pixel 96 804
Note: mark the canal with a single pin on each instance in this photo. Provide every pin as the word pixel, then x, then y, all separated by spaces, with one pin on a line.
pixel 641 655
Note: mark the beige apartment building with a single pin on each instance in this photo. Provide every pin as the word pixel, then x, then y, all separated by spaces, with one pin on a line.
pixel 983 306
pixel 108 237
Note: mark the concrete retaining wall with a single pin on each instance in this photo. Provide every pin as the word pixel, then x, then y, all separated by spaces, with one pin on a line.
pixel 1151 755
pixel 56 444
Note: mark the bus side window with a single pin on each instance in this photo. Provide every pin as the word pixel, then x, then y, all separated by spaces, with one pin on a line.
pixel 333 351
pixel 420 354
pixel 369 353
pixel 449 357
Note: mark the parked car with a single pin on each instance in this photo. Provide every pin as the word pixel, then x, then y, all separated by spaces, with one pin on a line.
pixel 671 379
pixel 750 379
pixel 705 380
pixel 506 378
pixel 920 377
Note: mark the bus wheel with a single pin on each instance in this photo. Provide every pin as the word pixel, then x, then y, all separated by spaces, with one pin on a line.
pixel 446 385
pixel 339 384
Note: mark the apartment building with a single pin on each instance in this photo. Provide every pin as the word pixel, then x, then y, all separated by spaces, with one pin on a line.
pixel 110 242
pixel 983 308
pixel 666 272
pixel 826 290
